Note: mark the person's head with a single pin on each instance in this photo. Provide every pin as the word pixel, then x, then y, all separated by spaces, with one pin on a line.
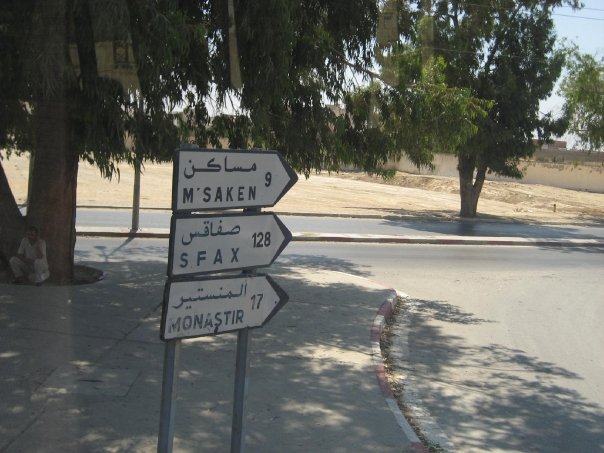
pixel 32 233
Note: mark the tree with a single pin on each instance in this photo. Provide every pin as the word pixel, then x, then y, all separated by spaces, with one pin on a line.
pixel 415 114
pixel 62 104
pixel 583 90
pixel 294 58
pixel 503 51
pixel 412 112
pixel 62 108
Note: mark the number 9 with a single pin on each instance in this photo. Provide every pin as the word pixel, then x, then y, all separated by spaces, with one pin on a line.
pixel 268 177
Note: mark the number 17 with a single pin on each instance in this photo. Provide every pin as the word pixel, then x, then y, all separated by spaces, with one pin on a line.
pixel 258 298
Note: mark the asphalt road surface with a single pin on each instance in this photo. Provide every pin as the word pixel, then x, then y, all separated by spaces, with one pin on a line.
pixel 504 343
pixel 414 227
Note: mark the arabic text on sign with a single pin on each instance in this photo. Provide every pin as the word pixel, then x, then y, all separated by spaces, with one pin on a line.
pixel 208 230
pixel 211 166
pixel 216 305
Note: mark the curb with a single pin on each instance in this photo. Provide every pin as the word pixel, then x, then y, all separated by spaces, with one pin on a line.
pixel 384 313
pixel 445 240
pixel 162 233
pixel 426 424
pixel 415 216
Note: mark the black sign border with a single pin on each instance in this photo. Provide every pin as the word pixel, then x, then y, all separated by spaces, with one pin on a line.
pixel 283 299
pixel 293 178
pixel 286 233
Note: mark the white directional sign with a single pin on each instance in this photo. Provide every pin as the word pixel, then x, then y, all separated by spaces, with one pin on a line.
pixel 211 179
pixel 202 244
pixel 218 305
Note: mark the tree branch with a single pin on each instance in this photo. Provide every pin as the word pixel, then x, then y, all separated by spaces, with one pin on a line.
pixel 496 44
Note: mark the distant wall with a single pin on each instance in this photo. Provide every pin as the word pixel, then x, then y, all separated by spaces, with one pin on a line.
pixel 557 168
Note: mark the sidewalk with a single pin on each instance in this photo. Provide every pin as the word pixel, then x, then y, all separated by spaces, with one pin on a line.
pixel 81 366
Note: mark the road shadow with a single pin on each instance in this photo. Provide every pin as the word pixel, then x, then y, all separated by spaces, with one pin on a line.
pixel 412 214
pixel 493 397
pixel 453 215
pixel 81 367
pixel 495 227
pixel 320 263
pixel 570 250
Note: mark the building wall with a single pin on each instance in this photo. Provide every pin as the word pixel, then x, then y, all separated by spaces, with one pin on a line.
pixel 557 168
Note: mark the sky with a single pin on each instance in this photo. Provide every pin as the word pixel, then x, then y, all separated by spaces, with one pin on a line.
pixel 584 27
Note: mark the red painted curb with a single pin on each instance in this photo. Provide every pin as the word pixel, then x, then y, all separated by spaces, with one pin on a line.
pixel 383 314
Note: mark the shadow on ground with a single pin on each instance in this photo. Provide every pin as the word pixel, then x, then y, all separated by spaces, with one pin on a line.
pixel 493 397
pixel 81 366
pixel 494 227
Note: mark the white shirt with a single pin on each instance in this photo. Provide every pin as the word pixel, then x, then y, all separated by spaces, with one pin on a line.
pixel 30 250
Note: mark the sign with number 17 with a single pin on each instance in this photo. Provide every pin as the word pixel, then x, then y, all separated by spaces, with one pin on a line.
pixel 216 305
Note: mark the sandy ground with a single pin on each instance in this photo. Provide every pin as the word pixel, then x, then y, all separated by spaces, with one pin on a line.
pixel 349 194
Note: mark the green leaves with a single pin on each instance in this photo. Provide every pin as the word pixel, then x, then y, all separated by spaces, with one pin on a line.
pixel 467 77
pixel 583 89
pixel 414 113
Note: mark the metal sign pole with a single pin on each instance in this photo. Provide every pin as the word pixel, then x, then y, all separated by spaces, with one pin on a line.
pixel 168 396
pixel 136 196
pixel 241 364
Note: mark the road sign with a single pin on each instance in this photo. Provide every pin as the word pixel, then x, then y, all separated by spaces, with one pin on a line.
pixel 210 179
pixel 217 305
pixel 203 244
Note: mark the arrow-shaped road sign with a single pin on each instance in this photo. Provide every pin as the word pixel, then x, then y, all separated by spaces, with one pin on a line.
pixel 217 305
pixel 203 244
pixel 209 179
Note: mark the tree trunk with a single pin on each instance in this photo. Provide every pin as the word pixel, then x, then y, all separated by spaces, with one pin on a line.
pixel 470 188
pixel 481 172
pixel 52 200
pixel 465 167
pixel 12 226
pixel 54 181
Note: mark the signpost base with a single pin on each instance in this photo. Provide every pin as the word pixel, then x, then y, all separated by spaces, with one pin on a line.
pixel 168 396
pixel 241 364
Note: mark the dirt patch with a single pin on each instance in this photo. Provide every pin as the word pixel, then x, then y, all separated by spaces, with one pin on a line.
pixel 531 202
pixel 349 193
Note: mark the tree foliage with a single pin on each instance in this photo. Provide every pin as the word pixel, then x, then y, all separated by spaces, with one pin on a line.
pixel 170 60
pixel 583 90
pixel 415 114
pixel 294 62
pixel 501 51
pixel 81 76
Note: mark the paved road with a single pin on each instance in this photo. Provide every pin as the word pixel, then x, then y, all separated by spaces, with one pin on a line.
pixel 81 366
pixel 500 342
pixel 415 227
pixel 502 345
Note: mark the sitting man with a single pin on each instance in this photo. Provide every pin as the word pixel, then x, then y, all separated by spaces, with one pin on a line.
pixel 30 264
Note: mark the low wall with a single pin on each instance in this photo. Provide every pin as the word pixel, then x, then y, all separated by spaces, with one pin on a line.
pixel 565 169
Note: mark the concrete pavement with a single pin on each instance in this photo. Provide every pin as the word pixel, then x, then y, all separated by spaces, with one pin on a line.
pixel 81 366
